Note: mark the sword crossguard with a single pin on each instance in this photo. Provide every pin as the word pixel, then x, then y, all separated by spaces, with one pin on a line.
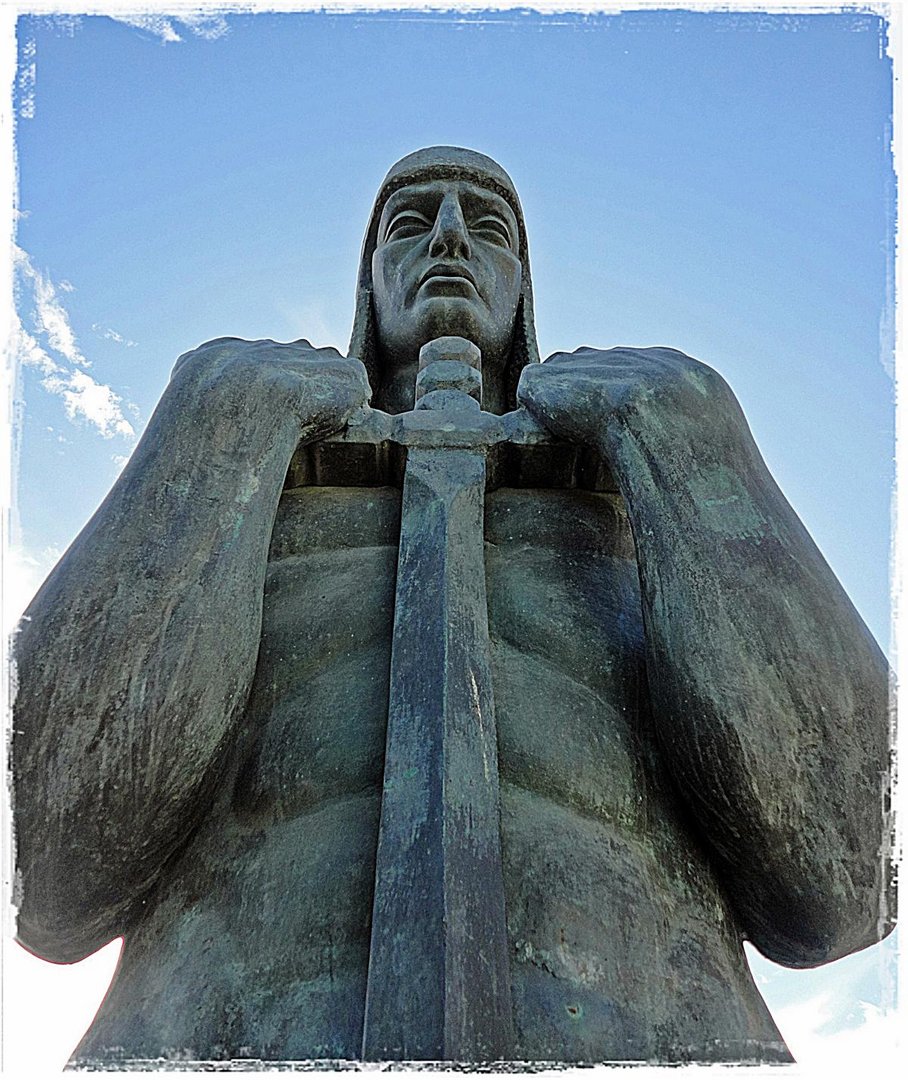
pixel 448 413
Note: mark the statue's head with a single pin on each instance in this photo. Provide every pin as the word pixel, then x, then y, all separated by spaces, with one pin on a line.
pixel 445 253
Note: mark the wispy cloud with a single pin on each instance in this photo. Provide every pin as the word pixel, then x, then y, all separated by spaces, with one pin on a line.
pixel 839 1014
pixel 64 373
pixel 49 316
pixel 206 26
pixel 29 352
pixel 110 334
pixel 159 25
pixel 209 27
pixel 26 81
pixel 84 396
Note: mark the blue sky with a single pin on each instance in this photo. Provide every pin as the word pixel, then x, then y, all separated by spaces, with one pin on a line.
pixel 720 183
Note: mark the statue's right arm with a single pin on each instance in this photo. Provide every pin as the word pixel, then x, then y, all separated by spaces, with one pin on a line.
pixel 134 660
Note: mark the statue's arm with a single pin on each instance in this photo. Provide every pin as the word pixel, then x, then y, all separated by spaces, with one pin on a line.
pixel 770 695
pixel 136 656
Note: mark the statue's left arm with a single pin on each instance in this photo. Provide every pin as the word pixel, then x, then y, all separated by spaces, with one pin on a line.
pixel 770 695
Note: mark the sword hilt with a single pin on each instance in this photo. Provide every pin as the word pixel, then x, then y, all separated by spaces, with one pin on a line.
pixel 448 415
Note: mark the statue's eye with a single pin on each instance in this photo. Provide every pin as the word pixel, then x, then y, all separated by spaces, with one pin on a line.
pixel 407 223
pixel 492 229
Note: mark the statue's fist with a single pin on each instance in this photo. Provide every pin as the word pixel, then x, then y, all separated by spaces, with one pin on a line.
pixel 580 396
pixel 319 387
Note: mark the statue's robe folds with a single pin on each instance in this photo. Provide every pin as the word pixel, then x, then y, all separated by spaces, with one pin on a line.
pixel 199 752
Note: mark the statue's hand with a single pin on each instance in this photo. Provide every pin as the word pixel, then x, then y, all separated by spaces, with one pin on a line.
pixel 584 395
pixel 321 388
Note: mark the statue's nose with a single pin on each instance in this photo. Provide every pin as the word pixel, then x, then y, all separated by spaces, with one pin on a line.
pixel 449 235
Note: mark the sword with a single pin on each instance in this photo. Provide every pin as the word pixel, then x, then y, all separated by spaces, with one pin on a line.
pixel 438 983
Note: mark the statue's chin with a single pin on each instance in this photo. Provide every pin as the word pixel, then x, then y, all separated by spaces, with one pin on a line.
pixel 434 316
pixel 441 314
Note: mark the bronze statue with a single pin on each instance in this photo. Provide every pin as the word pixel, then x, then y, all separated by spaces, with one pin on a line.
pixel 638 724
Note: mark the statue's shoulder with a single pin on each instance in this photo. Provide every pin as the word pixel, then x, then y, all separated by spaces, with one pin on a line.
pixel 617 353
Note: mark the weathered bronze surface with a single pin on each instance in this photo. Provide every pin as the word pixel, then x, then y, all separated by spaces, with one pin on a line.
pixel 484 722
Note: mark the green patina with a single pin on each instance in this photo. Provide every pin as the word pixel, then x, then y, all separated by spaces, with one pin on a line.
pixel 697 377
pixel 726 506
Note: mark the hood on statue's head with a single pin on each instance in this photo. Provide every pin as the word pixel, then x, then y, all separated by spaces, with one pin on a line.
pixel 445 163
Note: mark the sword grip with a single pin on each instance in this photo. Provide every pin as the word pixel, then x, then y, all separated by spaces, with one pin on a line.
pixel 450 374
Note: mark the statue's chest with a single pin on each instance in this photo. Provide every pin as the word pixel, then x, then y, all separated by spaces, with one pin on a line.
pixel 565 640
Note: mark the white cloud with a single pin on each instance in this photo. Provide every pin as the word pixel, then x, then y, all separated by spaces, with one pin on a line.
pixel 113 335
pixel 838 1014
pixel 29 352
pixel 50 318
pixel 870 1045
pixel 83 396
pixel 207 26
pixel 26 80
pixel 159 25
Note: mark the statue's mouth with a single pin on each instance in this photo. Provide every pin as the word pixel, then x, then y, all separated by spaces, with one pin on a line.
pixel 454 272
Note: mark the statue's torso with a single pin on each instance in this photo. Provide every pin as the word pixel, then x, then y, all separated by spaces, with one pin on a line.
pixel 621 944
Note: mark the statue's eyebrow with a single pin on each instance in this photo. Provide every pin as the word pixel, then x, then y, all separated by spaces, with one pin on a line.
pixel 481 202
pixel 475 200
pixel 403 211
pixel 410 197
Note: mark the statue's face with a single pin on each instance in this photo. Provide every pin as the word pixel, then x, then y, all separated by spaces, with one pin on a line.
pixel 446 262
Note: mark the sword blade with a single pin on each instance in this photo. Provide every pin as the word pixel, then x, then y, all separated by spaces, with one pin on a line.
pixel 439 978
